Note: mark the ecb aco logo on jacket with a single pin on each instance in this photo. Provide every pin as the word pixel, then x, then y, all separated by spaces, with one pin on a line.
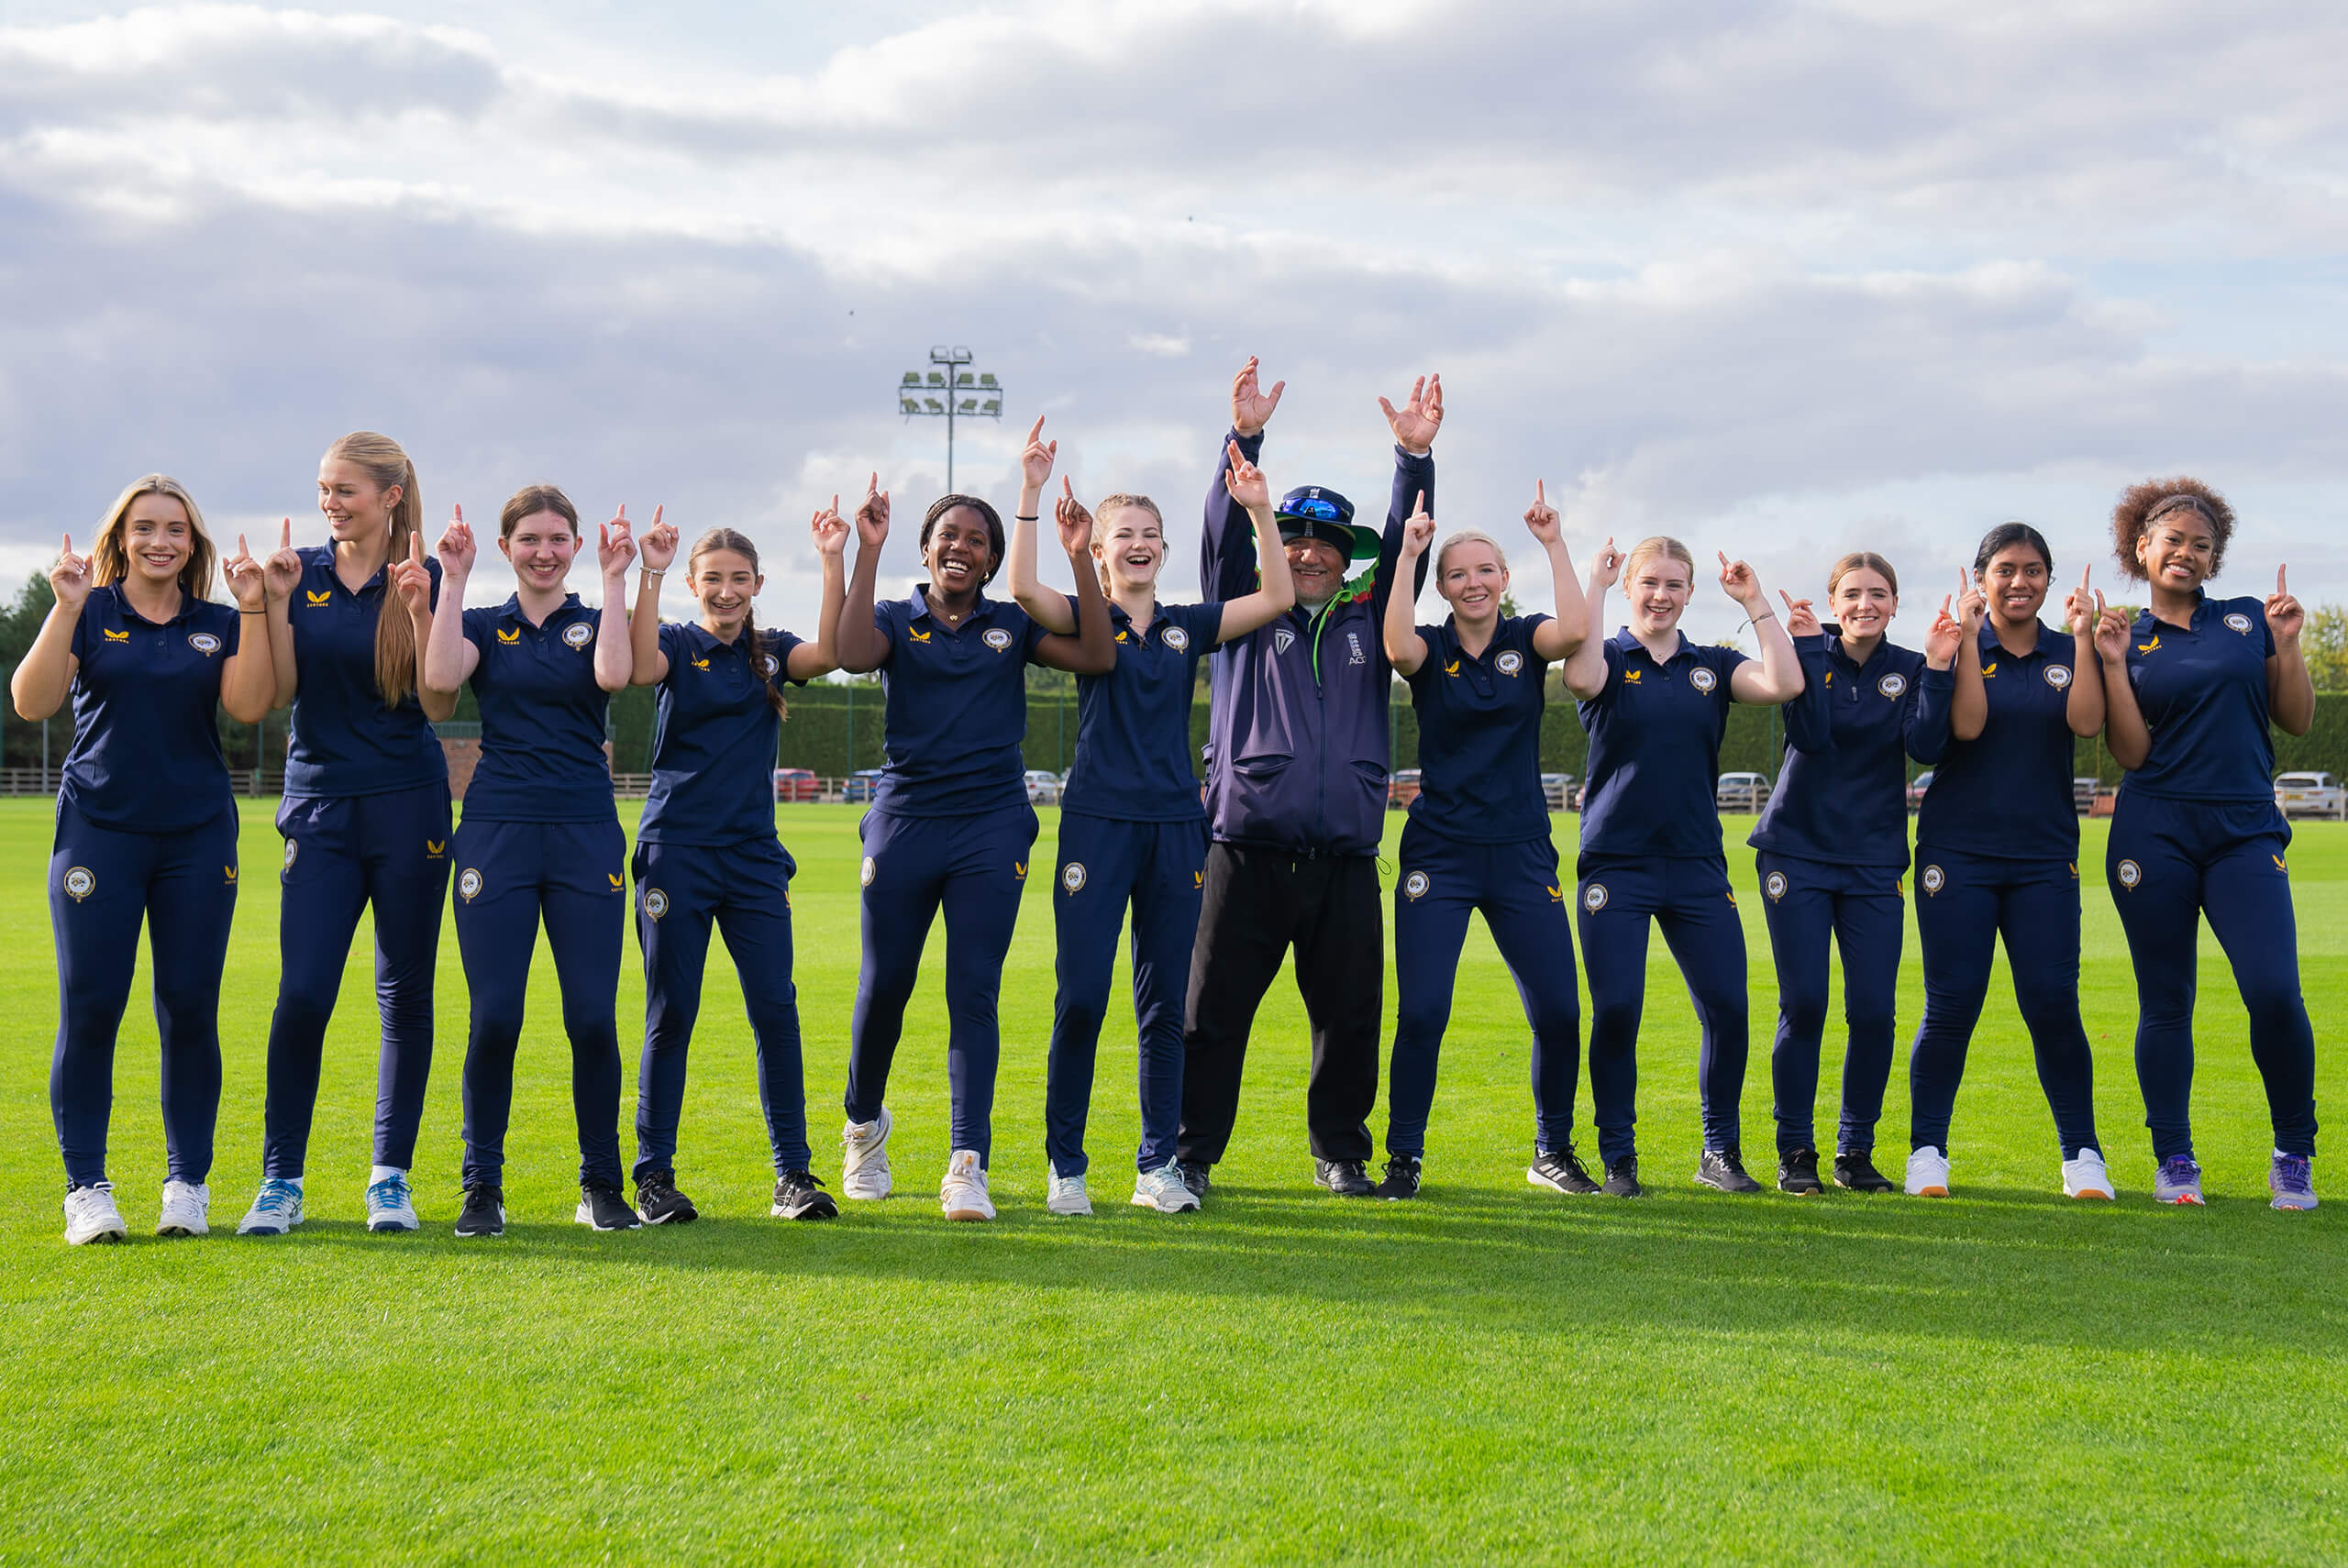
pixel 1510 662
pixel 1702 679
pixel 2059 675
pixel 2239 621
pixel 996 638
pixel 1892 685
pixel 205 643
pixel 1593 897
pixel 1934 880
pixel 1414 886
pixel 1283 640
pixel 579 634
pixel 1353 640
pixel 1177 639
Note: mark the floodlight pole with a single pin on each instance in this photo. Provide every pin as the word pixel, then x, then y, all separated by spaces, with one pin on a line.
pixel 951 361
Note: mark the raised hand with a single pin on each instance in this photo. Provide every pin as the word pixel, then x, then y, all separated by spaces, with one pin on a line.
pixel 1801 620
pixel 71 577
pixel 248 584
pixel 2286 616
pixel 1739 581
pixel 659 545
pixel 830 531
pixel 282 572
pixel 2083 606
pixel 1415 424
pixel 1245 481
pixel 456 546
pixel 1943 637
pixel 1251 406
pixel 1971 603
pixel 1037 457
pixel 616 546
pixel 410 578
pixel 2112 634
pixel 1541 517
pixel 1605 567
pixel 1418 529
pixel 872 516
pixel 1073 522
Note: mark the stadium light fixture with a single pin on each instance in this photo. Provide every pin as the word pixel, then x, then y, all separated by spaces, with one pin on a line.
pixel 968 394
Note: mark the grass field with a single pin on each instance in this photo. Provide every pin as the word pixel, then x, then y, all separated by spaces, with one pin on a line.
pixel 1491 1372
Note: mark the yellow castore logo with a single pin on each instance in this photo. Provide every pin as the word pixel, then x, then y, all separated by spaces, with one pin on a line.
pixel 616 881
pixel 318 599
pixel 1987 671
pixel 432 850
pixel 1451 668
pixel 1631 678
pixel 2280 867
pixel 1198 878
pixel 1019 869
pixel 2153 646
pixel 118 636
pixel 229 872
pixel 918 637
pixel 700 664
pixel 513 636
pixel 1556 893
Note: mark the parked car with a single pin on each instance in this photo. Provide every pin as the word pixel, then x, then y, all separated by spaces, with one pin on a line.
pixel 796 784
pixel 1741 792
pixel 2310 795
pixel 1559 789
pixel 2083 796
pixel 1043 788
pixel 1916 788
pixel 1402 789
pixel 861 785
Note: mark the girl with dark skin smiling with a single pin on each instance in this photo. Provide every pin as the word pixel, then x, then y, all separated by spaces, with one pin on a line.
pixel 2194 682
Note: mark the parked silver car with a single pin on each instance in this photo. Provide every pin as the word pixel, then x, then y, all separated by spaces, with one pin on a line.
pixel 2311 795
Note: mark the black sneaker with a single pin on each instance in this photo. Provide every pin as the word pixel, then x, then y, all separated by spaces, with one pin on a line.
pixel 484 1211
pixel 602 1205
pixel 1346 1178
pixel 1560 1173
pixel 1855 1168
pixel 799 1196
pixel 1724 1169
pixel 1196 1178
pixel 1402 1178
pixel 1622 1178
pixel 657 1199
pixel 1798 1173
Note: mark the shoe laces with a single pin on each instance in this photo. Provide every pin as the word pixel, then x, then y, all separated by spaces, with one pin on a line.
pixel 799 1181
pixel 2294 1173
pixel 477 1200
pixel 277 1196
pixel 392 1192
pixel 2179 1170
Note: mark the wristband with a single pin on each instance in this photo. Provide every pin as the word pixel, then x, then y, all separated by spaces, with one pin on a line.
pixel 262 611
pixel 654 571
pixel 1025 517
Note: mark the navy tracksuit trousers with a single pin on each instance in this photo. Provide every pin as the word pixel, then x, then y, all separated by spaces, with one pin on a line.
pixel 2170 862
pixel 1963 902
pixel 344 853
pixel 975 868
pixel 1813 906
pixel 102 883
pixel 745 891
pixel 1517 889
pixel 1691 902
pixel 1160 869
pixel 510 875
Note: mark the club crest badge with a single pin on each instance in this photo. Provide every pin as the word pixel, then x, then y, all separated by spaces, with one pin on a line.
pixel 579 634
pixel 80 883
pixel 996 638
pixel 1414 886
pixel 293 847
pixel 2059 675
pixel 1702 679
pixel 2130 874
pixel 203 643
pixel 865 875
pixel 1934 880
pixel 1283 640
pixel 1073 877
pixel 1510 662
pixel 2239 621
pixel 1593 897
pixel 1892 685
pixel 468 884
pixel 768 664
pixel 656 903
pixel 1775 886
pixel 1177 639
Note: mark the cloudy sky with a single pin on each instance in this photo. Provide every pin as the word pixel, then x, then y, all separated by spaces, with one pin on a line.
pixel 1783 279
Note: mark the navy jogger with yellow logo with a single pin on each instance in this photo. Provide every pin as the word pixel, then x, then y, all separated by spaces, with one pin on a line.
pixel 706 852
pixel 950 828
pixel 540 839
pixel 2195 682
pixel 145 830
pixel 1477 838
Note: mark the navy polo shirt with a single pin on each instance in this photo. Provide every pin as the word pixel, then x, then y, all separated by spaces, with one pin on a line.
pixel 1479 734
pixel 1133 724
pixel 1654 751
pixel 2007 794
pixel 1842 796
pixel 2202 690
pixel 542 717
pixel 145 755
pixel 345 742
pixel 714 748
pixel 957 708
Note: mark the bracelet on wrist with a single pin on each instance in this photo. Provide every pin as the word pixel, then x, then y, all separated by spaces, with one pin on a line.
pixel 1025 517
pixel 653 571
pixel 242 611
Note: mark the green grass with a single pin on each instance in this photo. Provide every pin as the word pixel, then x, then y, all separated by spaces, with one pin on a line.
pixel 1489 1371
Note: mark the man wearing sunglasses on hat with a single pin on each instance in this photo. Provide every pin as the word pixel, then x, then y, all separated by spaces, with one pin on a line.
pixel 1296 796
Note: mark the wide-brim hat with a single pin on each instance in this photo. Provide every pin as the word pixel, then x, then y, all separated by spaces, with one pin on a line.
pixel 1314 511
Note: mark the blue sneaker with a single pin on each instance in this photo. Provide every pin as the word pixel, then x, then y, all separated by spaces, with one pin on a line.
pixel 276 1210
pixel 390 1206
pixel 2177 1181
pixel 2291 1178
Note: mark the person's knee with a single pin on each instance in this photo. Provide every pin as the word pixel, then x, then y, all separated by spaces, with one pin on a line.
pixel 1613 1020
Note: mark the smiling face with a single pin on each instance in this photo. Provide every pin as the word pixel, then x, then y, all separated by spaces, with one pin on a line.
pixel 1129 545
pixel 2015 583
pixel 2177 551
pixel 1863 602
pixel 158 539
pixel 356 507
pixel 1319 569
pixel 1658 587
pixel 542 547
pixel 725 581
pixel 1472 580
pixel 960 552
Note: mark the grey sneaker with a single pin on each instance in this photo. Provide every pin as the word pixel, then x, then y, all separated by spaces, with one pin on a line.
pixel 2177 1181
pixel 1164 1190
pixel 1068 1196
pixel 2291 1178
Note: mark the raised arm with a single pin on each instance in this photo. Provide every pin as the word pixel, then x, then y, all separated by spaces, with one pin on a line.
pixel 1968 709
pixel 808 660
pixel 860 644
pixel 1923 723
pixel 1404 647
pixel 246 683
pixel 2290 688
pixel 647 666
pixel 1585 668
pixel 281 574
pixel 411 581
pixel 1809 718
pixel 2125 732
pixel 1277 595
pixel 1778 676
pixel 1556 639
pixel 2082 705
pixel 614 656
pixel 46 673
pixel 1227 559
pixel 1093 649
pixel 1048 608
pixel 1415 427
pixel 448 660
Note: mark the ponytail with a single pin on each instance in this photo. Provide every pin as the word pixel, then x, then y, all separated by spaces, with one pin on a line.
pixel 394 633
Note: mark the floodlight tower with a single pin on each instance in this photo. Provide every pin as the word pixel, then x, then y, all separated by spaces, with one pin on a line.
pixel 951 390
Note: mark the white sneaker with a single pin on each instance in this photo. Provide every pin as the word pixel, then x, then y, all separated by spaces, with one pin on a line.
pixel 964 1191
pixel 2086 1178
pixel 1068 1196
pixel 187 1209
pixel 276 1210
pixel 1163 1191
pixel 91 1215
pixel 1927 1173
pixel 391 1205
pixel 864 1158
